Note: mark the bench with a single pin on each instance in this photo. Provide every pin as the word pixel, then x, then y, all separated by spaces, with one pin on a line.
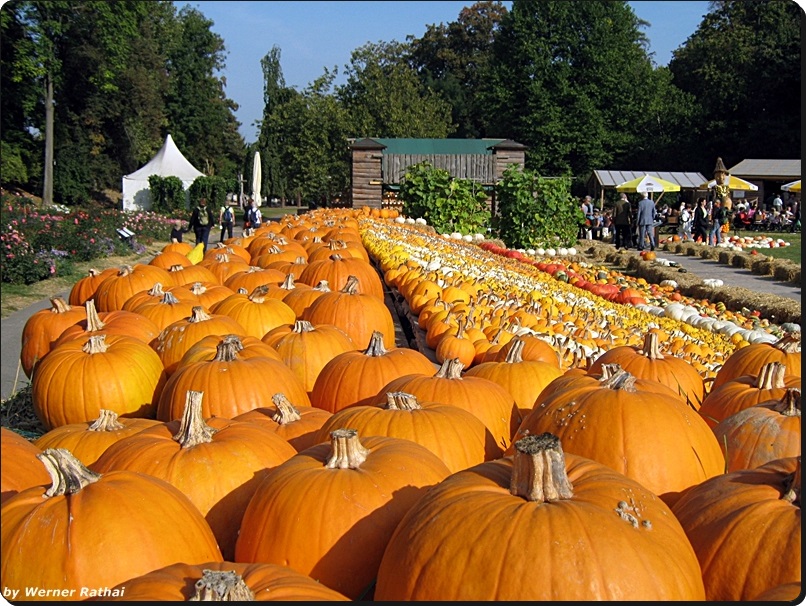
pixel 670 225
pixel 125 234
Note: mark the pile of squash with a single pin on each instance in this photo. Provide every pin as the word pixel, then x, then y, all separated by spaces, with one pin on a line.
pixel 255 425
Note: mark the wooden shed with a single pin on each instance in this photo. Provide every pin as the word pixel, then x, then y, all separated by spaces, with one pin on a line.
pixel 769 176
pixel 378 165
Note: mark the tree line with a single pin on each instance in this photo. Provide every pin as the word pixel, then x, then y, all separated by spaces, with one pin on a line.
pixel 90 89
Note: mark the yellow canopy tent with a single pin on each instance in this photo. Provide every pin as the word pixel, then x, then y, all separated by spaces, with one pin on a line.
pixel 647 184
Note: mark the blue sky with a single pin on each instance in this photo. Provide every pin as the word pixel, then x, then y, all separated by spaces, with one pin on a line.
pixel 313 36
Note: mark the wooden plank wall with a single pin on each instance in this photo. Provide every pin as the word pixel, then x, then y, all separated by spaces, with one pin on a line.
pixel 477 167
pixel 367 188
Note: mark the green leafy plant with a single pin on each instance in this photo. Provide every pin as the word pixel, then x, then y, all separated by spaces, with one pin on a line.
pixel 213 188
pixel 167 194
pixel 448 204
pixel 535 211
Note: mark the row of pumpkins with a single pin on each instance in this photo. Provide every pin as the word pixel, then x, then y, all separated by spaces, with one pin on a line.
pixel 246 427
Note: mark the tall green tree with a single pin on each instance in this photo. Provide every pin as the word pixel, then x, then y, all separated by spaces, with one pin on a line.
pixel 453 60
pixel 743 65
pixel 572 80
pixel 385 98
pixel 202 118
pixel 269 143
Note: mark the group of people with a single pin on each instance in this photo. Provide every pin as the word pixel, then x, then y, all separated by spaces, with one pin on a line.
pixel 635 228
pixel 202 220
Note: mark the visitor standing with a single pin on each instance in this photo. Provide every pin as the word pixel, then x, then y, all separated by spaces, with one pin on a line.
pixel 622 223
pixel 201 220
pixel 254 218
pixel 226 217
pixel 717 215
pixel 179 228
pixel 646 221
pixel 777 203
pixel 702 222
pixel 686 220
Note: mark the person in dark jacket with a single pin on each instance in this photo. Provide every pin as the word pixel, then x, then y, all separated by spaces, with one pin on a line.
pixel 622 223
pixel 201 220
pixel 702 222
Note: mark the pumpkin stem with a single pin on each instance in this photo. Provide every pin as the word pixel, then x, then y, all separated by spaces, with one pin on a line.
pixel 199 314
pixel 619 379
pixel 538 470
pixel 351 286
pixel 222 586
pixel 94 322
pixel 169 299
pixel 451 369
pixel 347 452
pixel 286 411
pixel 68 475
pixel 95 344
pixel 197 288
pixel 375 349
pixel 176 267
pixel 259 294
pixel 515 353
pixel 789 404
pixel 156 290
pixel 228 348
pixel 771 376
pixel 792 484
pixel 107 421
pixel 59 305
pixel 301 326
pixel 192 429
pixel 789 343
pixel 288 283
pixel 651 347
pixel 323 285
pixel 400 400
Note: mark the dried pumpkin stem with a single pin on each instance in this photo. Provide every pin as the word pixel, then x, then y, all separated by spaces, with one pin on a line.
pixel 792 485
pixel 228 348
pixel 375 349
pixel 351 286
pixel 286 411
pixel 538 470
pixel 199 314
pixel 169 299
pixel 347 452
pixel 68 475
pixel 59 305
pixel 771 376
pixel 107 421
pixel 94 322
pixel 789 343
pixel 222 586
pixel 515 353
pixel 192 428
pixel 96 344
pixel 400 400
pixel 651 348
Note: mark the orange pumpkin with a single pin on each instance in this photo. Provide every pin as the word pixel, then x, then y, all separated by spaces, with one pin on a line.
pixel 233 456
pixel 746 525
pixel 43 327
pixel 129 280
pixel 252 277
pixel 296 424
pixel 232 383
pixel 83 376
pixel 205 294
pixel 224 581
pixel 84 289
pixel 351 482
pixel 355 377
pixel 338 270
pixel 257 312
pixel 663 443
pixel 247 346
pixel 21 467
pixel 117 322
pixel 749 360
pixel 545 503
pixel 83 511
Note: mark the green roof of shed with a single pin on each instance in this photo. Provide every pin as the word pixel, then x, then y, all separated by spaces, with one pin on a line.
pixel 438 146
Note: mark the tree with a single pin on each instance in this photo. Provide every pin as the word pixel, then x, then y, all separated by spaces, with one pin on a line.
pixel 384 97
pixel 743 65
pixel 453 60
pixel 275 94
pixel 573 81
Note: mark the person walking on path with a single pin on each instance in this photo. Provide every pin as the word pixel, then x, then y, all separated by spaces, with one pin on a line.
pixel 201 220
pixel 253 216
pixel 226 218
pixel 686 220
pixel 717 215
pixel 646 221
pixel 622 223
pixel 701 224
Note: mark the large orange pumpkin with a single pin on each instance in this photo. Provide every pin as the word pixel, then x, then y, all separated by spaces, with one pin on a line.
pixel 232 384
pixel 21 468
pixel 43 327
pixel 355 377
pixel 356 313
pixel 541 525
pixel 662 443
pixel 338 270
pixel 67 529
pixel 247 346
pixel 129 280
pixel 217 463
pixel 84 288
pixel 117 322
pixel 297 424
pixel 456 436
pixel 224 582
pixel 746 525
pixel 81 377
pixel 750 359
pixel 256 312
pixel 351 484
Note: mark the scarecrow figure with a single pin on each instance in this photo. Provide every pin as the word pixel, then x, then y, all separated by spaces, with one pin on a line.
pixel 721 189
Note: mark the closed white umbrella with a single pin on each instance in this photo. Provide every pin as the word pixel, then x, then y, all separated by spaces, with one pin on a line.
pixel 257 178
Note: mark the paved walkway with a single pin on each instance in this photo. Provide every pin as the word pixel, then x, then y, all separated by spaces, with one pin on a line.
pixel 13 379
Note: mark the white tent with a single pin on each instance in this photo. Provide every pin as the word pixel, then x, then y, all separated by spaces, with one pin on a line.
pixel 167 162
